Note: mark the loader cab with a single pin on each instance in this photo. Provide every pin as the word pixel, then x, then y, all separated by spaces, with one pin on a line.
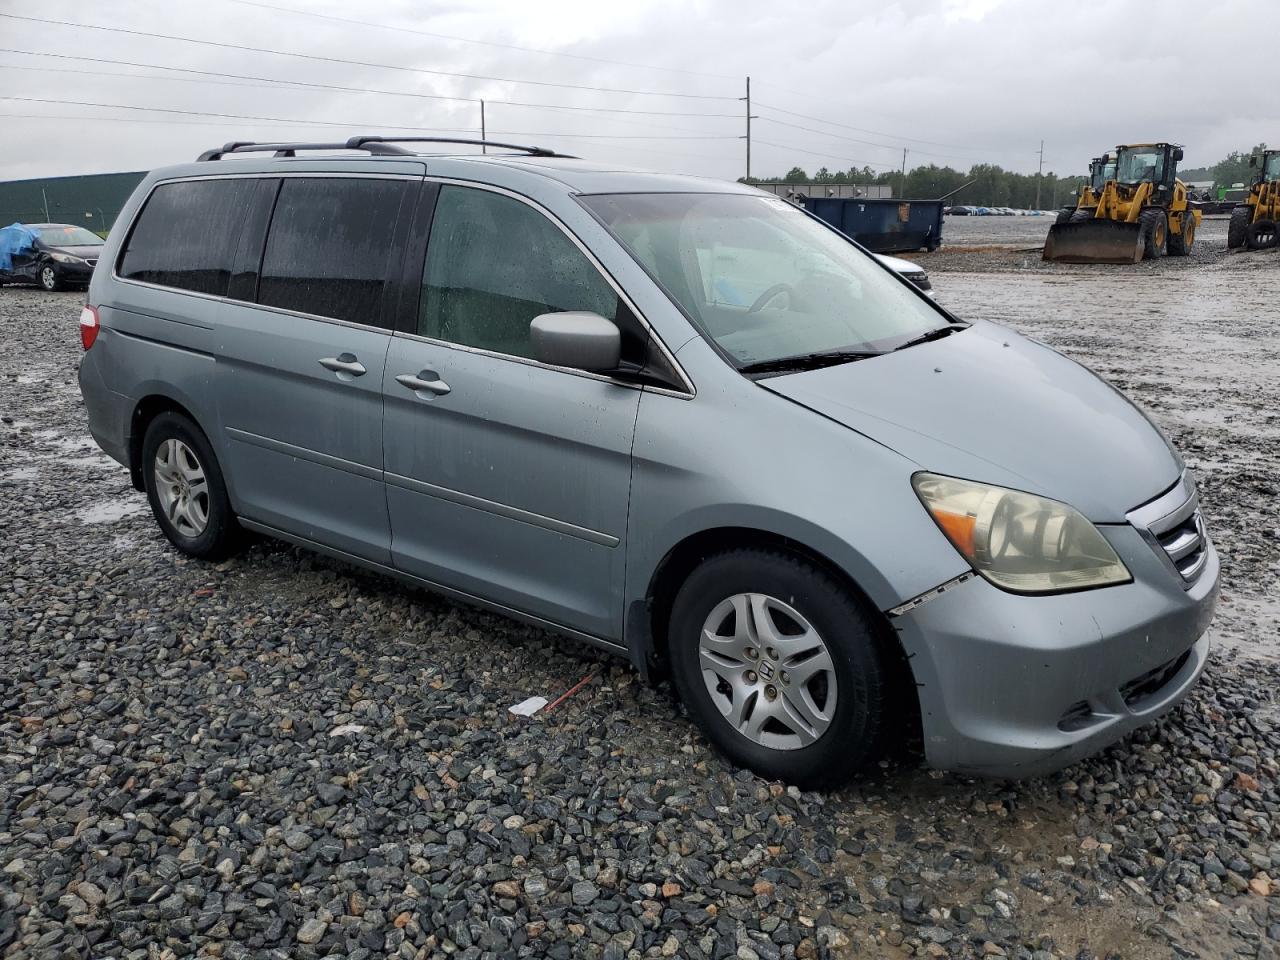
pixel 1267 165
pixel 1154 163
pixel 1101 169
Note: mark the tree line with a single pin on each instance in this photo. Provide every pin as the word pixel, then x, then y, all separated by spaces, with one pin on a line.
pixel 994 186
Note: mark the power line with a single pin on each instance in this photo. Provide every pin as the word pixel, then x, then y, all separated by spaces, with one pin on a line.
pixel 271 82
pixel 875 133
pixel 826 156
pixel 836 136
pixel 194 123
pixel 362 124
pixel 361 63
pixel 485 43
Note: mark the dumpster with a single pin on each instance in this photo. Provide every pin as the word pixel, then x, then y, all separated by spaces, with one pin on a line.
pixel 885 226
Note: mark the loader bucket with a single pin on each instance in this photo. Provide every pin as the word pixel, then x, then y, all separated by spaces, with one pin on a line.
pixel 1094 241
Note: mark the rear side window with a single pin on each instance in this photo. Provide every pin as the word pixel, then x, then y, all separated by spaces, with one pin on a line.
pixel 186 236
pixel 328 246
pixel 493 264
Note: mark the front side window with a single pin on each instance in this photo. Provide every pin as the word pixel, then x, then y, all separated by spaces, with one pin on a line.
pixel 1140 165
pixel 493 264
pixel 186 235
pixel 762 279
pixel 328 245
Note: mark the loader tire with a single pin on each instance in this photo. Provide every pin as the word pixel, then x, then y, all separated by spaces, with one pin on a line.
pixel 1180 243
pixel 1263 235
pixel 1080 216
pixel 1238 228
pixel 1155 233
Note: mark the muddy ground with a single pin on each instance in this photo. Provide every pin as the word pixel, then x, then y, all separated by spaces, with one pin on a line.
pixel 179 770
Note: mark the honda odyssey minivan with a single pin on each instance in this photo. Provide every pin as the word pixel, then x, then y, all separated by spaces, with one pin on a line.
pixel 676 418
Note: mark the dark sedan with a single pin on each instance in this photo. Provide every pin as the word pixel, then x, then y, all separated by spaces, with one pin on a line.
pixel 62 255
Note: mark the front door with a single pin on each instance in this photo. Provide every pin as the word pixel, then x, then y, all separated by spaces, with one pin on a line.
pixel 507 479
pixel 300 368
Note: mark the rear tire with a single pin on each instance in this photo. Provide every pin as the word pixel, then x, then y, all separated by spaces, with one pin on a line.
pixel 1238 228
pixel 185 488
pixel 744 627
pixel 1263 235
pixel 1155 233
pixel 1180 244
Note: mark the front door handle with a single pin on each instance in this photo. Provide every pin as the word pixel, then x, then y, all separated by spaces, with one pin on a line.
pixel 425 380
pixel 344 363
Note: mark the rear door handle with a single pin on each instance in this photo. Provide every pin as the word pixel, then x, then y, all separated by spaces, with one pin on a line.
pixel 425 380
pixel 344 363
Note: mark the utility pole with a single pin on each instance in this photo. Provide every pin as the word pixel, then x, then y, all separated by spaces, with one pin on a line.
pixel 903 188
pixel 750 117
pixel 483 148
pixel 47 218
pixel 1040 175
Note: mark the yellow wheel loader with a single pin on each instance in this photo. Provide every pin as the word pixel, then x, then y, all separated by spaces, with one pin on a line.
pixel 1101 169
pixel 1253 223
pixel 1142 212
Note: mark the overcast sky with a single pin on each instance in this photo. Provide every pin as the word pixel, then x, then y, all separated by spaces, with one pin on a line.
pixel 953 81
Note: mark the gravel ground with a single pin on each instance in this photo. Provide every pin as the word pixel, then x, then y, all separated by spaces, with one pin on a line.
pixel 281 757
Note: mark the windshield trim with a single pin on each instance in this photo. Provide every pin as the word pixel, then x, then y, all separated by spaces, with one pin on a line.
pixel 581 197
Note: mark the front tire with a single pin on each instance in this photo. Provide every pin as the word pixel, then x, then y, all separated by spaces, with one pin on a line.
pixel 50 282
pixel 1238 227
pixel 185 488
pixel 1263 235
pixel 781 667
pixel 1155 233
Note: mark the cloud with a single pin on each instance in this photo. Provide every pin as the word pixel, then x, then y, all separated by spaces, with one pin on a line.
pixel 833 83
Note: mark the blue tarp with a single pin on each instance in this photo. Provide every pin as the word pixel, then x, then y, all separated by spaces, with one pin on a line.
pixel 14 238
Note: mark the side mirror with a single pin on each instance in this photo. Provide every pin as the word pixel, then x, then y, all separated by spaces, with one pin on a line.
pixel 1177 154
pixel 577 339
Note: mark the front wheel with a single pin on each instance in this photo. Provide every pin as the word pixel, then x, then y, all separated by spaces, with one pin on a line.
pixel 1155 233
pixel 185 488
pixel 780 666
pixel 1262 235
pixel 49 279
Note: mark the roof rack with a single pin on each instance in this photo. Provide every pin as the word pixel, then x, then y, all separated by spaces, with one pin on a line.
pixel 375 146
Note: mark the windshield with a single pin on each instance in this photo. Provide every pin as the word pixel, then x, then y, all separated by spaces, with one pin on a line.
pixel 1102 172
pixel 1271 171
pixel 68 236
pixel 761 278
pixel 1140 164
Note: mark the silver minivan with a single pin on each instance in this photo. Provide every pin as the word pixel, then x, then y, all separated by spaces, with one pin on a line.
pixel 676 418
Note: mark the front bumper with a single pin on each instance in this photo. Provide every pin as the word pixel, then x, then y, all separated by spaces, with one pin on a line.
pixel 72 272
pixel 1018 686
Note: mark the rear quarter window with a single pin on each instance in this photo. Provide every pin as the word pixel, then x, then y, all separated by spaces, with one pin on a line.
pixel 186 235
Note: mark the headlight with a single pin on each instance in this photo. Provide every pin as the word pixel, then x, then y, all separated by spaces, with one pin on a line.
pixel 1019 541
pixel 65 258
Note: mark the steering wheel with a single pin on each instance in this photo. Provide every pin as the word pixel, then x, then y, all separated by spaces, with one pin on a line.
pixel 768 295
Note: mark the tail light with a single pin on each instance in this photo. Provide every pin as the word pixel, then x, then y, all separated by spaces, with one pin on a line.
pixel 88 326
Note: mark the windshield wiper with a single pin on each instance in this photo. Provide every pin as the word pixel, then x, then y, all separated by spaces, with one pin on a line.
pixel 930 335
pixel 807 361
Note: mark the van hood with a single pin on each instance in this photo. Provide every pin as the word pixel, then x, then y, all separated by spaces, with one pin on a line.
pixel 989 405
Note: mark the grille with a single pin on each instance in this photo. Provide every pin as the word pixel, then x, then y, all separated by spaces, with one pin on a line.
pixel 1173 525
pixel 1151 682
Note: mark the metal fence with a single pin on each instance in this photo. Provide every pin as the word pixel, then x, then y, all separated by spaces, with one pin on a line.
pixel 93 201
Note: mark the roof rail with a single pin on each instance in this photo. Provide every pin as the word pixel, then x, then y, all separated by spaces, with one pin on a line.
pixel 375 146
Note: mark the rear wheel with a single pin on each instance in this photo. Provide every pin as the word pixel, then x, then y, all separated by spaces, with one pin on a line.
pixel 185 488
pixel 1180 244
pixel 780 666
pixel 1155 233
pixel 49 279
pixel 1238 228
pixel 1263 235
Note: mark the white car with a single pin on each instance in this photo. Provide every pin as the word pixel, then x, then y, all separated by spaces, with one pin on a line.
pixel 909 269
